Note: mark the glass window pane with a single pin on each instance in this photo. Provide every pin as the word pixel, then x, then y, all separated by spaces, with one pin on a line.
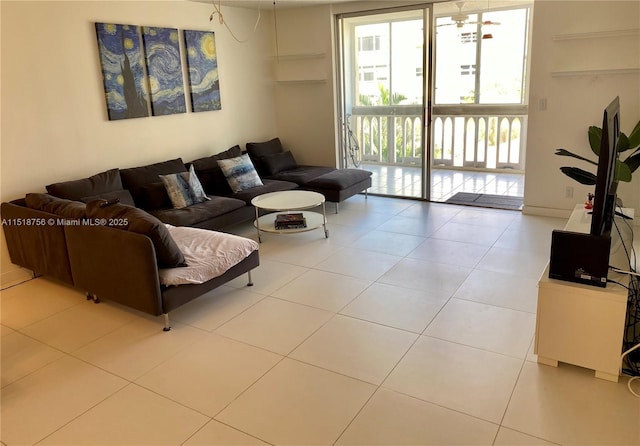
pixel 503 56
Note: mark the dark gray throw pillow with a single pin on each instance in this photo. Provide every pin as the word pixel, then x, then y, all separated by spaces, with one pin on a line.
pixel 132 219
pixel 257 150
pixel 100 183
pixel 54 205
pixel 278 162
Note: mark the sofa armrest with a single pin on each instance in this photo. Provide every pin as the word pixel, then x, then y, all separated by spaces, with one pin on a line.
pixel 116 265
pixel 36 241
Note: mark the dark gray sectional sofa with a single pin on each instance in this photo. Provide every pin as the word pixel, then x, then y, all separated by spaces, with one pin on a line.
pixel 122 263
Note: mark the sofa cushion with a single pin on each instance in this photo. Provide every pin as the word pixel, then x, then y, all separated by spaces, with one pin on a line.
pixel 136 220
pixel 54 205
pixel 199 212
pixel 269 186
pixel 123 196
pixel 339 179
pixel 107 181
pixel 278 162
pixel 257 150
pixel 134 178
pixel 240 173
pixel 301 175
pixel 184 188
pixel 211 177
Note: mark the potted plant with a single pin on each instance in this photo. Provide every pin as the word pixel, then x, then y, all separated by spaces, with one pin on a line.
pixel 629 145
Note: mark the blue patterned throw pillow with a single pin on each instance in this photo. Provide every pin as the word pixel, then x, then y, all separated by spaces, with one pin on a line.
pixel 184 188
pixel 240 173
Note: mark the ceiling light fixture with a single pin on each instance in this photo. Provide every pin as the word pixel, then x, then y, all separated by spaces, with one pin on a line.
pixel 218 10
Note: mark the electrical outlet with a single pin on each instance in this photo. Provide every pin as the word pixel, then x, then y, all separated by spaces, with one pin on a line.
pixel 568 192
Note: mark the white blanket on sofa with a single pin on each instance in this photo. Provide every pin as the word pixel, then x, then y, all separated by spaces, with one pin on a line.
pixel 208 254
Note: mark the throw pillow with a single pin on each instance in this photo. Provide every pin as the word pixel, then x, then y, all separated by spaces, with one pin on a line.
pixel 211 177
pixel 257 150
pixel 240 173
pixel 108 181
pixel 278 162
pixel 184 188
pixel 54 205
pixel 132 219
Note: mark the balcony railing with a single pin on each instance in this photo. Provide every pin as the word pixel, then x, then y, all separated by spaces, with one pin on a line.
pixel 464 136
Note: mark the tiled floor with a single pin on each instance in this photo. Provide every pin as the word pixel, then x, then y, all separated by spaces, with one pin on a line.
pixel 403 181
pixel 412 324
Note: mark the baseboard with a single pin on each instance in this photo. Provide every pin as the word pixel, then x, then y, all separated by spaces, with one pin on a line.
pixel 546 212
pixel 14 277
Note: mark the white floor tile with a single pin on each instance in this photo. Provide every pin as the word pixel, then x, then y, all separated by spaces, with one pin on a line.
pixel 268 277
pixel 22 355
pixel 358 263
pixel 496 329
pixel 567 405
pixel 355 348
pixel 276 325
pixel 436 278
pixel 322 289
pixel 79 325
pixel 37 299
pixel 395 306
pixel 475 382
pixel 137 347
pixel 42 402
pixel 525 264
pixel 388 243
pixel 467 233
pixel 499 289
pixel 509 437
pixel 449 252
pixel 133 416
pixel 390 418
pixel 210 311
pixel 209 375
pixel 297 403
pixel 215 433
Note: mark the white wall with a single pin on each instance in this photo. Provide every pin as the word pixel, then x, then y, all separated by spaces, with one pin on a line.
pixel 305 111
pixel 576 102
pixel 54 119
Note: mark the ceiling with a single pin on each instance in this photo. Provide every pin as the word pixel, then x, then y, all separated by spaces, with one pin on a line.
pixel 255 4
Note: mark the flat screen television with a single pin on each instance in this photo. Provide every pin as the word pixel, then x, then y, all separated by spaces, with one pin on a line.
pixel 604 201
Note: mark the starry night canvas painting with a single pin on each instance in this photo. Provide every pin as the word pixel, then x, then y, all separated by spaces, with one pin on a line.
pixel 202 62
pixel 164 67
pixel 125 83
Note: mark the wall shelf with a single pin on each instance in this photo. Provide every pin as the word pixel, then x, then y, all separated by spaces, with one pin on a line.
pixel 597 34
pixel 595 72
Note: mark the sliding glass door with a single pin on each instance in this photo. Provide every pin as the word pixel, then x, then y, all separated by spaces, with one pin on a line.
pixel 383 85
pixel 435 97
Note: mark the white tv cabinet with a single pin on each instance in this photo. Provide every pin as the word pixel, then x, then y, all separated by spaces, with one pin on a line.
pixel 583 324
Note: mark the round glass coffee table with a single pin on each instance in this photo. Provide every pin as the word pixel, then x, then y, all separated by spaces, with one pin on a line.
pixel 287 201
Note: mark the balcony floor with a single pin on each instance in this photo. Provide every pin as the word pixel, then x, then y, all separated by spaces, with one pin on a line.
pixel 406 181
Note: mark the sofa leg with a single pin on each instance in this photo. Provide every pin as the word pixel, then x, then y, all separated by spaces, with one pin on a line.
pixel 167 327
pixel 93 297
pixel 337 207
pixel 250 281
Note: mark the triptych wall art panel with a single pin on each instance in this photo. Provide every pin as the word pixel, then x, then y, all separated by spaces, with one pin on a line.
pixel 125 81
pixel 202 62
pixel 133 88
pixel 162 51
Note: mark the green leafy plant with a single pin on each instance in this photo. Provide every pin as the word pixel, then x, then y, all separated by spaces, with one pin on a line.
pixel 628 145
